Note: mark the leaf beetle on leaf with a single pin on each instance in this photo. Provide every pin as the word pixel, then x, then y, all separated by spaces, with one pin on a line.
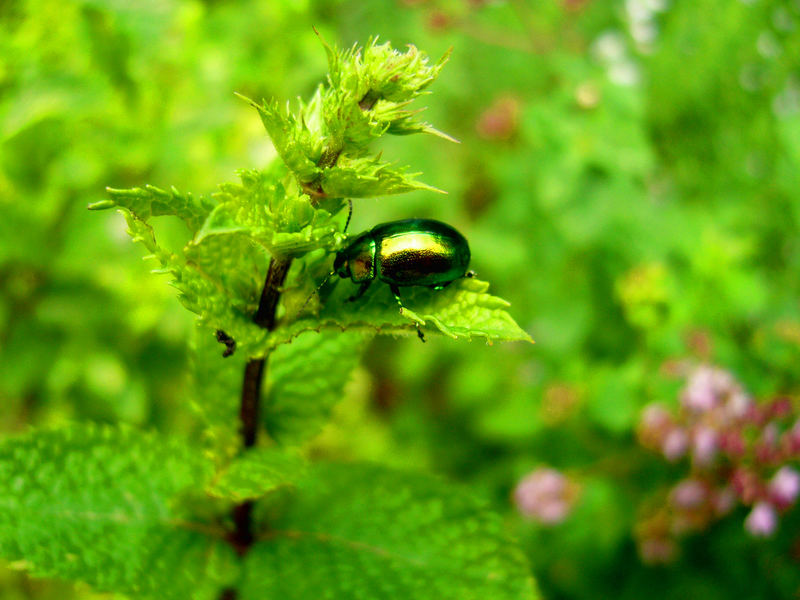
pixel 410 252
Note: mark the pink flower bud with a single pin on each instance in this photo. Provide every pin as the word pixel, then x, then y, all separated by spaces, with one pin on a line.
pixel 784 487
pixel 762 520
pixel 767 446
pixel 675 444
pixel 654 424
pixel 689 494
pixel 704 445
pixel 738 406
pixel 732 443
pixel 769 435
pixel 780 407
pixel 723 501
pixel 545 495
pixel 699 395
pixel 792 440
pixel 654 417
pixel 657 550
pixel 746 484
pixel 709 388
pixel 501 120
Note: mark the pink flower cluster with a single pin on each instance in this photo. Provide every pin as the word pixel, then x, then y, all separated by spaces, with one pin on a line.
pixel 545 495
pixel 740 452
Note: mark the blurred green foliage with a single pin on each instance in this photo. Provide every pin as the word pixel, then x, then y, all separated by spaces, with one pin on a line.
pixel 628 177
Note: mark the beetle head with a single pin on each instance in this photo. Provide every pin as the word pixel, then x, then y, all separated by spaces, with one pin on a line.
pixel 341 266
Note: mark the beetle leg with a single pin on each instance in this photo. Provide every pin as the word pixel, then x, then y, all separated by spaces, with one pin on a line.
pixel 360 292
pixel 396 292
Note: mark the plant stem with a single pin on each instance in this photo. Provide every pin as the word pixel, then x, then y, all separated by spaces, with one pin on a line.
pixel 241 538
pixel 276 275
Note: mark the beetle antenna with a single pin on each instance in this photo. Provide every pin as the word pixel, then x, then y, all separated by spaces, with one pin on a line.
pixel 349 215
pixel 317 289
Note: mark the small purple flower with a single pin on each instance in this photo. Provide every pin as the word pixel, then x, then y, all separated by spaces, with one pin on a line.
pixel 762 520
pixel 675 444
pixel 784 486
pixel 544 495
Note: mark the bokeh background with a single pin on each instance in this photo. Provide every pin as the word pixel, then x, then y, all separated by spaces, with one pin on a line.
pixel 628 177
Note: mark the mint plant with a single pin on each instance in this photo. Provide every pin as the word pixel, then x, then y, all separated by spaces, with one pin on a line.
pixel 241 512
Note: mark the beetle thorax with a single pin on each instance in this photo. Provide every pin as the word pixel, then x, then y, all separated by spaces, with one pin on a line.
pixel 362 266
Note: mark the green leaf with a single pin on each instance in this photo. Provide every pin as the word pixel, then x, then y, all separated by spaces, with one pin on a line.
pixel 323 146
pixel 464 309
pixel 221 271
pixel 367 95
pixel 368 532
pixel 283 222
pixel 219 280
pixel 306 378
pixel 256 473
pixel 293 141
pixel 92 504
pixel 366 177
pixel 216 394
pixel 151 201
pixel 370 90
pixel 383 71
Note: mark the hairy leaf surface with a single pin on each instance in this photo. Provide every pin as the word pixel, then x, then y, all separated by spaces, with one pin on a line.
pixel 91 503
pixel 255 473
pixel 464 309
pixel 216 394
pixel 373 533
pixel 306 378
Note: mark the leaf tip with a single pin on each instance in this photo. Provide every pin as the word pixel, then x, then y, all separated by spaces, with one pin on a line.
pixel 102 204
pixel 250 101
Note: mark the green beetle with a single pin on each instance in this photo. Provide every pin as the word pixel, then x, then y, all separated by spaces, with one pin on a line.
pixel 412 252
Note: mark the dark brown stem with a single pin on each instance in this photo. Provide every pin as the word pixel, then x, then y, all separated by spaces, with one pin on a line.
pixel 276 275
pixel 241 538
pixel 251 394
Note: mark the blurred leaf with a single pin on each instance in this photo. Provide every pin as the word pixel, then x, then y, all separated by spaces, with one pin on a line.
pixel 615 398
